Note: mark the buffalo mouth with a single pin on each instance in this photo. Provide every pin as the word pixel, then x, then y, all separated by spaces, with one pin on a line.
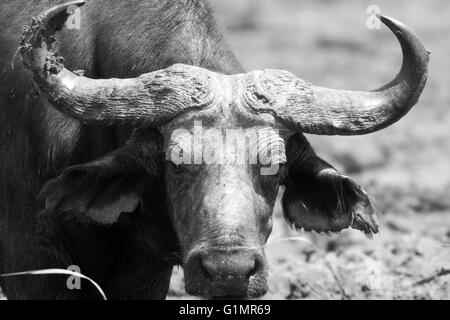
pixel 223 291
pixel 232 273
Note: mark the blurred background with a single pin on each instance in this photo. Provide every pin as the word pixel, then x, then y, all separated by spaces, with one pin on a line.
pixel 405 168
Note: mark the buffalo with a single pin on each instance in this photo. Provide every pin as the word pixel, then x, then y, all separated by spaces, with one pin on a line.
pixel 117 168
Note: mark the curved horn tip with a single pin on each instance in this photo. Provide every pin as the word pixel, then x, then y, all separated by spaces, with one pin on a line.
pixel 42 28
pixel 50 21
pixel 390 22
pixel 401 30
pixel 407 37
pixel 55 17
pixel 63 7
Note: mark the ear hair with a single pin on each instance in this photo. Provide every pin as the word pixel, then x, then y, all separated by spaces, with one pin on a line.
pixel 319 198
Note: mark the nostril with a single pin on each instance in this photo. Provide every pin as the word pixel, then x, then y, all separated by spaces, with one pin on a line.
pixel 222 265
pixel 257 265
pixel 208 266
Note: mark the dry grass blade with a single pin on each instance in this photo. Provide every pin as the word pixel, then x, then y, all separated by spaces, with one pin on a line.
pixel 300 239
pixel 441 273
pixel 344 294
pixel 57 271
pixel 318 290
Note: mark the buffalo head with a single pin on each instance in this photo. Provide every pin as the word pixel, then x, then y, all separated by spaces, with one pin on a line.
pixel 228 142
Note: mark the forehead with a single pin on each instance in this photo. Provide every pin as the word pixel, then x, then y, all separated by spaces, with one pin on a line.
pixel 228 109
pixel 227 132
pixel 229 147
pixel 228 117
pixel 227 121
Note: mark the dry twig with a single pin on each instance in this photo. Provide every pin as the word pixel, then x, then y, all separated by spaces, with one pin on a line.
pixel 442 272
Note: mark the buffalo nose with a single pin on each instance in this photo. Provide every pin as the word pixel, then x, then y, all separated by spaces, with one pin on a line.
pixel 223 265
pixel 230 272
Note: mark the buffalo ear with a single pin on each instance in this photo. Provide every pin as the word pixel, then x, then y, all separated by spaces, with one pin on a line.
pixel 328 202
pixel 319 198
pixel 100 190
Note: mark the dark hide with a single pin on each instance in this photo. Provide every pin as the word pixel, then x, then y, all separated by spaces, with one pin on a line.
pixel 134 257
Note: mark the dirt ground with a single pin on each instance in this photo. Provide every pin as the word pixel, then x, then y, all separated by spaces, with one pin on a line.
pixel 405 168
